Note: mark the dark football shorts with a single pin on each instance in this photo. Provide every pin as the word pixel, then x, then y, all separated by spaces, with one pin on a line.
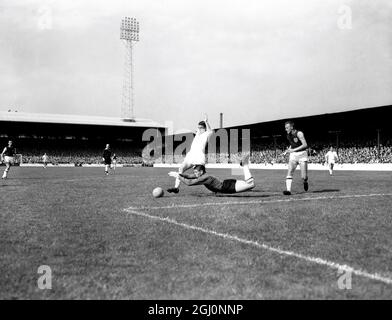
pixel 108 161
pixel 229 186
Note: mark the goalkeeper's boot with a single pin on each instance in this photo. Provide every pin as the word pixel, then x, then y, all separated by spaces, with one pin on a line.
pixel 287 193
pixel 173 190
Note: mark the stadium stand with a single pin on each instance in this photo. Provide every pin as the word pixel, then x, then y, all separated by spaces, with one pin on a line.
pixel 360 136
pixel 348 153
pixel 73 138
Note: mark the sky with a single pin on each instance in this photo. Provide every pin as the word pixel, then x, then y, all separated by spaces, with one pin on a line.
pixel 253 60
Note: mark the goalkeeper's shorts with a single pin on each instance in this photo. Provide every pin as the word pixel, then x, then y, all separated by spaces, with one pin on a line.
pixel 229 186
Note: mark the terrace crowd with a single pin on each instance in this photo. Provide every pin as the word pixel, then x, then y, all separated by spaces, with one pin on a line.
pixel 352 152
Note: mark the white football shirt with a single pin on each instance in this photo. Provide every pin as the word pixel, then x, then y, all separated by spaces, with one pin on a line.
pixel 332 156
pixel 199 143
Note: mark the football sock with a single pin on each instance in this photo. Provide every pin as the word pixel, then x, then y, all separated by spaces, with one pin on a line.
pixel 289 181
pixel 247 174
pixel 177 183
pixel 250 180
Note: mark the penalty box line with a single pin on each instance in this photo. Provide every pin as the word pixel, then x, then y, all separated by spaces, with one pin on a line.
pixel 207 204
pixel 310 259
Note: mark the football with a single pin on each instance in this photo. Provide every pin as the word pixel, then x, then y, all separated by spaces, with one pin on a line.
pixel 157 192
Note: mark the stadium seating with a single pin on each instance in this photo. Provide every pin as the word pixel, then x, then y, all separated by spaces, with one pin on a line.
pixel 349 152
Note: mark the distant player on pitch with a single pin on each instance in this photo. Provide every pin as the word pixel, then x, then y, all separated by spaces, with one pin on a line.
pixel 330 158
pixel 196 155
pixel 7 156
pixel 200 177
pixel 114 161
pixel 45 159
pixel 107 158
pixel 298 151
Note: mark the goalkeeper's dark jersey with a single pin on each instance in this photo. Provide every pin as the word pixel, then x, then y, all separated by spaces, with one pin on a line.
pixel 210 182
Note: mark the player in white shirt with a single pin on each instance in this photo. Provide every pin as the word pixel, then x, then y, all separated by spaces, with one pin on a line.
pixel 114 162
pixel 196 155
pixel 330 158
pixel 45 159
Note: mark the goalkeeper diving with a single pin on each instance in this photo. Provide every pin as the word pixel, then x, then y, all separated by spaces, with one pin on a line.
pixel 201 177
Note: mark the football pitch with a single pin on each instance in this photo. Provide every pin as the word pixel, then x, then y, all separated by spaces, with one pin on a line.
pixel 106 237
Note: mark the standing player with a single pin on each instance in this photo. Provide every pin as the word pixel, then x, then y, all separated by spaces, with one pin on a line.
pixel 196 155
pixel 8 157
pixel 298 155
pixel 114 161
pixel 330 158
pixel 200 177
pixel 107 158
pixel 45 159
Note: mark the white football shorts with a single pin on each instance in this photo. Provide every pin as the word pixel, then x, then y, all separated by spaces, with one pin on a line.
pixel 299 157
pixel 9 160
pixel 194 159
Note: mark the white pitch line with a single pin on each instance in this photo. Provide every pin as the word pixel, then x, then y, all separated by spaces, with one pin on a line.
pixel 320 261
pixel 174 206
pixel 103 177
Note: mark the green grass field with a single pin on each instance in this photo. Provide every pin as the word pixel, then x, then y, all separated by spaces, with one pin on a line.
pixel 106 237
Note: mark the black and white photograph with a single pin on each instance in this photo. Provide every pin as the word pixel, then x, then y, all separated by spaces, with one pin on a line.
pixel 207 153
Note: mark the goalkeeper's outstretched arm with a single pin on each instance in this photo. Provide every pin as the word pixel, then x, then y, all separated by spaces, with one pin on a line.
pixel 192 181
